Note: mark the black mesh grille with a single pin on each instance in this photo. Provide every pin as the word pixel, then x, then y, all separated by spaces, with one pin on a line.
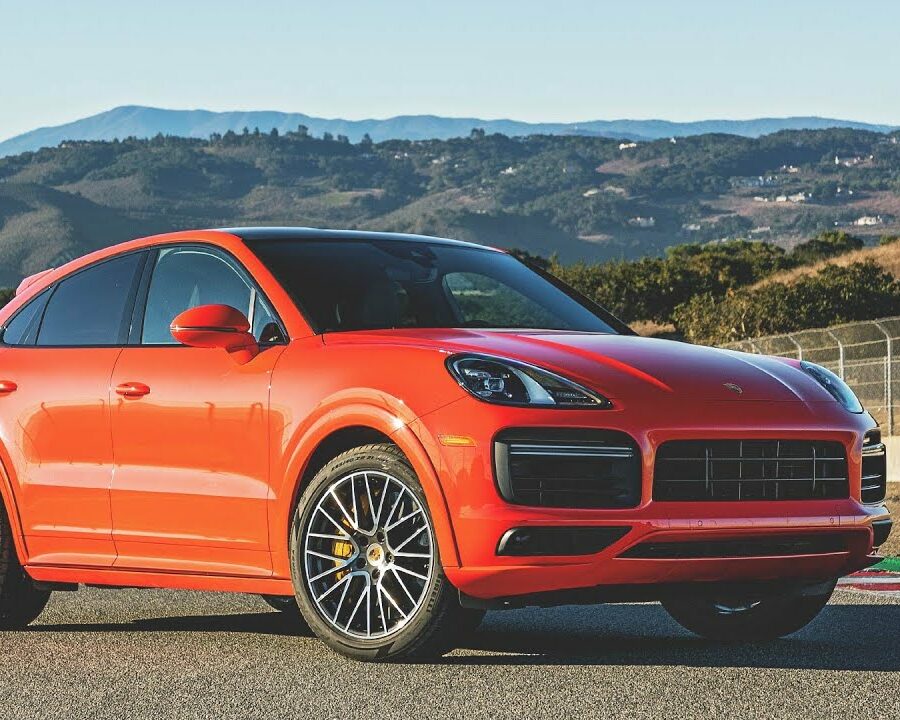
pixel 568 468
pixel 874 469
pixel 723 470
pixel 816 544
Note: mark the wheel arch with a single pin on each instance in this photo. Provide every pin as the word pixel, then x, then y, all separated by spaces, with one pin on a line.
pixel 8 498
pixel 343 429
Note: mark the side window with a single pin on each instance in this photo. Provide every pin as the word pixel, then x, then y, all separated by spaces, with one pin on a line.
pixel 187 277
pixel 92 307
pixel 483 301
pixel 265 327
pixel 22 329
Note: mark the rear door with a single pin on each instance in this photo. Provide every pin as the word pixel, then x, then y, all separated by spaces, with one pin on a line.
pixel 191 484
pixel 56 360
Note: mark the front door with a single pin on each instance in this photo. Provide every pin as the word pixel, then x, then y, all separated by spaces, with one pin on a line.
pixel 190 429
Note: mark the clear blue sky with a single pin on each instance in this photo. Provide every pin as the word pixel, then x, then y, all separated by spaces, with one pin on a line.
pixel 527 59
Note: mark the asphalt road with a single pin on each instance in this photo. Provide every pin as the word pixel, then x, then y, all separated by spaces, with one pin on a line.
pixel 158 654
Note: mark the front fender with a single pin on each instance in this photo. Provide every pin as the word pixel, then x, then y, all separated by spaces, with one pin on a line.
pixel 370 409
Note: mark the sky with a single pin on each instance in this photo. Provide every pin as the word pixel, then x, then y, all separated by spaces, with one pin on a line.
pixel 534 60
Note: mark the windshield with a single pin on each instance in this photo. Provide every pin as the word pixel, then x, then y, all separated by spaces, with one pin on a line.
pixel 355 284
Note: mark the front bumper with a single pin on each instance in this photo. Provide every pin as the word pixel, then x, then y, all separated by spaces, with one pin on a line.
pixel 481 517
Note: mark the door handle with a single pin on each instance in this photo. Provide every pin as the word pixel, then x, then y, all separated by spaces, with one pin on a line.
pixel 7 387
pixel 133 389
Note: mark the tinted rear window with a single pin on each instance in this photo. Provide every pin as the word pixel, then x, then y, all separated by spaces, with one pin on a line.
pixel 22 329
pixel 92 307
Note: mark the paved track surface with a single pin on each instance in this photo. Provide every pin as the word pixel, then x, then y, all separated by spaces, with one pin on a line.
pixel 158 654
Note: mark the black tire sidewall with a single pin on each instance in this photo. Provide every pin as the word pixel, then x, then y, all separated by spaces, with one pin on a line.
pixel 415 631
pixel 20 601
pixel 772 618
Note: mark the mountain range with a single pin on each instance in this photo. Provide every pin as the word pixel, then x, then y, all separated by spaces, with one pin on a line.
pixel 145 122
pixel 580 198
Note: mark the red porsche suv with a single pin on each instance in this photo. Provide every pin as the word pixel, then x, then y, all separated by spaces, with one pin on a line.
pixel 392 434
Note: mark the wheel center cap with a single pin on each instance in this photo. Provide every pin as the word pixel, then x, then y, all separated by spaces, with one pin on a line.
pixel 375 554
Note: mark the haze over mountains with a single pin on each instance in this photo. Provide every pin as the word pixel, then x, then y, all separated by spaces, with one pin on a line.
pixel 145 122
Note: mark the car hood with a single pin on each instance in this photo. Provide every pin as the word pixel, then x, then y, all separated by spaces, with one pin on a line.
pixel 621 366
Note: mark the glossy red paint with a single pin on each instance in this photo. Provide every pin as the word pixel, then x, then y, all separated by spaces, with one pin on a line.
pixel 216 326
pixel 179 466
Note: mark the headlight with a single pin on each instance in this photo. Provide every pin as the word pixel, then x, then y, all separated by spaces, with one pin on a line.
pixel 836 387
pixel 510 382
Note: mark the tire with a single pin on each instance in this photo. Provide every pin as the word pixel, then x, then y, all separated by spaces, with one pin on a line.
pixel 385 559
pixel 730 618
pixel 20 601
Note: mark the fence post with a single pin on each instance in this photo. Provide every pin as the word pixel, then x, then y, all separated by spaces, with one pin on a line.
pixel 799 347
pixel 840 353
pixel 888 379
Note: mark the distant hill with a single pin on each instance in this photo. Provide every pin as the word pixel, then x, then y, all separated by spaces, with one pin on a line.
pixel 582 198
pixel 145 122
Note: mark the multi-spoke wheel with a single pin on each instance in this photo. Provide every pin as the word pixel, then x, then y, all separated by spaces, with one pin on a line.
pixel 365 560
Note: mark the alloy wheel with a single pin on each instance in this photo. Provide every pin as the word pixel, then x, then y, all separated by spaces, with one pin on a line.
pixel 368 554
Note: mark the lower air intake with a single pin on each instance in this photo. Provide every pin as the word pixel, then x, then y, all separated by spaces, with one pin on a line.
pixel 749 547
pixel 568 468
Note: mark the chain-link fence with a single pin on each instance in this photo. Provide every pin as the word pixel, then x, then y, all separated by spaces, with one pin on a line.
pixel 866 354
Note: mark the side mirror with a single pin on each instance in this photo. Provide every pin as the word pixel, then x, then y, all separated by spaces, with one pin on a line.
pixel 216 326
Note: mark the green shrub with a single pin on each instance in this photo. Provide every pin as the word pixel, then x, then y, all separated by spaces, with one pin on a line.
pixel 860 291
pixel 825 245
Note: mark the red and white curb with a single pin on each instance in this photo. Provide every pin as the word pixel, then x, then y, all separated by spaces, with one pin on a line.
pixel 872 581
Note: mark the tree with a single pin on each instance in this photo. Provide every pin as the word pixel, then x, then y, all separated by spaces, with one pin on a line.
pixel 366 141
pixel 860 291
pixel 830 243
pixel 302 132
pixel 327 136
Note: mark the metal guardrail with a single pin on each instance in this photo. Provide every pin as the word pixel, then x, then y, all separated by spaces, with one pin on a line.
pixel 864 354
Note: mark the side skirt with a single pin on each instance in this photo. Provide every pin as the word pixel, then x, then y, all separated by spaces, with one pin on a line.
pixel 164 580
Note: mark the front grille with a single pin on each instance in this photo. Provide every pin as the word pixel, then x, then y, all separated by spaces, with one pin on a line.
pixel 568 468
pixel 783 546
pixel 734 470
pixel 874 469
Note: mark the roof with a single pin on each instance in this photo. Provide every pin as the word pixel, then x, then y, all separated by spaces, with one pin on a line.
pixel 307 233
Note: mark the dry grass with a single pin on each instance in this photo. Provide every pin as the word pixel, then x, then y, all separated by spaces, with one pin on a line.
pixel 892 546
pixel 630 166
pixel 885 256
pixel 649 328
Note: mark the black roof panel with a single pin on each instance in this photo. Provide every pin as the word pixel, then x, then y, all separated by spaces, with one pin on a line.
pixel 307 233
